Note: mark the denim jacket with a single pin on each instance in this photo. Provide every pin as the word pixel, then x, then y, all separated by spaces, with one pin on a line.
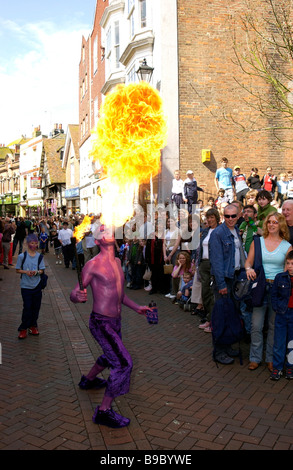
pixel 280 292
pixel 222 254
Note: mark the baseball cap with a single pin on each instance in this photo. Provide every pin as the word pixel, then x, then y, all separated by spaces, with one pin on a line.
pixel 237 167
pixel 189 172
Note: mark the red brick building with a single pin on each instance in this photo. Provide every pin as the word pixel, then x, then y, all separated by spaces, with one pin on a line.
pixel 210 98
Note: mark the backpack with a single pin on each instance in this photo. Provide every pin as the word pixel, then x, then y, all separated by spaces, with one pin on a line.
pixel 44 277
pixel 226 323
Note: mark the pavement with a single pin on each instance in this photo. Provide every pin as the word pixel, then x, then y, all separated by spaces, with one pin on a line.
pixel 179 399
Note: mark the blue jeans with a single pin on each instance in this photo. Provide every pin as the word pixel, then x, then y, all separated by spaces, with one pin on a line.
pixel 32 299
pixel 283 336
pixel 257 324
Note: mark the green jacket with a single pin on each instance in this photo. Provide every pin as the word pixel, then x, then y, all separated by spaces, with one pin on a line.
pixel 262 213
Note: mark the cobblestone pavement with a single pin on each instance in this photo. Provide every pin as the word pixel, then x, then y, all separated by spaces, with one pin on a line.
pixel 179 400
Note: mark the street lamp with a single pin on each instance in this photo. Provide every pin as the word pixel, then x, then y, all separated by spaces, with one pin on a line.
pixel 145 72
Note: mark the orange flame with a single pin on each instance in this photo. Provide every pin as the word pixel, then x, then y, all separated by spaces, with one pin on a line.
pixel 127 142
pixel 82 228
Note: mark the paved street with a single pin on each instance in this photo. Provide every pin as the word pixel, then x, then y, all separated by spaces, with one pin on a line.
pixel 179 400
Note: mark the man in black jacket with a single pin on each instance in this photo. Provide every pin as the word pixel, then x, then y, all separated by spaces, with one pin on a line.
pixel 20 234
pixel 190 190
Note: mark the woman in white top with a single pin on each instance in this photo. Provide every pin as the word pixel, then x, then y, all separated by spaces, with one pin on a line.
pixel 274 247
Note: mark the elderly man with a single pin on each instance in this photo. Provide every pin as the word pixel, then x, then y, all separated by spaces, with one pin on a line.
pixel 287 211
pixel 226 258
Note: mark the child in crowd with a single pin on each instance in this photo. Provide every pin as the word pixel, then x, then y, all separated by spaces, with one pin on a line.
pixel 135 259
pixel 264 199
pixel 251 198
pixel 184 293
pixel 282 303
pixel 43 237
pixel 221 198
pixel 177 189
pixel 182 265
pixel 282 187
pixel 56 244
pixel 290 185
pixel 253 180
pixel 80 254
pixel 31 290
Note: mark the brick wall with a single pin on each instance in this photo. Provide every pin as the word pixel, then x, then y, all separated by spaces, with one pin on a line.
pixel 208 94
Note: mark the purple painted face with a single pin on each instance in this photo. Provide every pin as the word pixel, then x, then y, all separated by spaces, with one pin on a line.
pixel 33 246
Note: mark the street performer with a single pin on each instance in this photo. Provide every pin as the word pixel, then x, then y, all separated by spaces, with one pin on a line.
pixel 106 278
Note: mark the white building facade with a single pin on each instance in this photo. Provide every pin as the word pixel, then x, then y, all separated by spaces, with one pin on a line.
pixel 31 194
pixel 131 31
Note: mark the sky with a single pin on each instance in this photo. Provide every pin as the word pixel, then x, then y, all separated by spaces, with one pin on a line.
pixel 40 50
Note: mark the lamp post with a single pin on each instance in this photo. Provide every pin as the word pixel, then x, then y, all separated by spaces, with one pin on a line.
pixel 145 72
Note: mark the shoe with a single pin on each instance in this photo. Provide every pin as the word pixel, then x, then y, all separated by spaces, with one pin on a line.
pixel 168 295
pixel 223 358
pixel 6 267
pixel 110 418
pixel 289 373
pixel 148 288
pixel 276 374
pixel 128 284
pixel 208 329
pixel 202 326
pixel 172 296
pixel 60 262
pixel 253 365
pixel 22 334
pixel 86 384
pixel 152 291
pixel 270 366
pixel 57 262
pixel 33 330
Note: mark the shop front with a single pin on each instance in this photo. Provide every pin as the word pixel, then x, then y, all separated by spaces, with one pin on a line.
pixel 72 201
pixel 10 205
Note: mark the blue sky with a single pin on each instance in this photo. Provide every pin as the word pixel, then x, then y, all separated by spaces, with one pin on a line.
pixel 40 43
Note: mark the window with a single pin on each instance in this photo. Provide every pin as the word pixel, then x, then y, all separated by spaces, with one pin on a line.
pixel 108 43
pixel 143 18
pixel 117 45
pixel 131 76
pixel 95 64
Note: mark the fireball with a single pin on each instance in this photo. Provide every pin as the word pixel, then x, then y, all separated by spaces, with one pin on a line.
pixel 127 142
pixel 82 228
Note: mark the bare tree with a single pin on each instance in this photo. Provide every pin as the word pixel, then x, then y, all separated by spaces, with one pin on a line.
pixel 264 52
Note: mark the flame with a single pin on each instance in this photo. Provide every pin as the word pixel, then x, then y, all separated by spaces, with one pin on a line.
pixel 127 143
pixel 82 228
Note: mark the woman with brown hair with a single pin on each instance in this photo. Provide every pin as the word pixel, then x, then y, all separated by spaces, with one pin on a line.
pixel 274 248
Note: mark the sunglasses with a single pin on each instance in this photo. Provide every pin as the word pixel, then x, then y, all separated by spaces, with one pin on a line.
pixel 274 222
pixel 232 216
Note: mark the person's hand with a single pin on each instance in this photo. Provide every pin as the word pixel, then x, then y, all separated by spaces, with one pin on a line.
pixel 251 274
pixel 142 310
pixel 31 273
pixel 81 295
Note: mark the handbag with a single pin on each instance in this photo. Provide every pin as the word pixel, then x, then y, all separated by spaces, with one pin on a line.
pixel 258 287
pixel 242 287
pixel 147 274
pixel 168 268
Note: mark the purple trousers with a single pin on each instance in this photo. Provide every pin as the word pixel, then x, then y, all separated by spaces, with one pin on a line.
pixel 107 332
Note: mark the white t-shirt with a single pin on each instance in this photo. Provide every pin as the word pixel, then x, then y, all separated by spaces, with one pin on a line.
pixel 65 236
